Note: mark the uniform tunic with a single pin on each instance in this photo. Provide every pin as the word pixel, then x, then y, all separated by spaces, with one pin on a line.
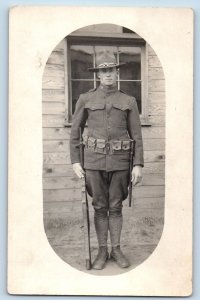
pixel 112 118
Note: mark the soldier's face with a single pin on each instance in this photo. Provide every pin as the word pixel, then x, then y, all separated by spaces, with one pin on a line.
pixel 108 76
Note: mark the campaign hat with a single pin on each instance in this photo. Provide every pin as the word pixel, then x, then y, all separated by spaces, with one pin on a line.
pixel 105 60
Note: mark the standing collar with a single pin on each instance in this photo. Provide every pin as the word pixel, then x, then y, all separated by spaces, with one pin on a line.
pixel 108 89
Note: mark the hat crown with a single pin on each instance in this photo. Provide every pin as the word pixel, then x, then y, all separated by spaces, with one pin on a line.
pixel 105 58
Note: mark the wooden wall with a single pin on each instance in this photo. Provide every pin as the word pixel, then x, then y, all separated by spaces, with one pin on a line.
pixel 61 188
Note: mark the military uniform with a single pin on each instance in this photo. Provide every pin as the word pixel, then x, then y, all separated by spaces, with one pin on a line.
pixel 113 120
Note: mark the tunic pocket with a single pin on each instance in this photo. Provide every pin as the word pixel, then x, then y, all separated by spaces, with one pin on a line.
pixel 95 113
pixel 122 106
pixel 119 114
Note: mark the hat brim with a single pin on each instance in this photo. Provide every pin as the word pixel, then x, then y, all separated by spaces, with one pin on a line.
pixel 107 67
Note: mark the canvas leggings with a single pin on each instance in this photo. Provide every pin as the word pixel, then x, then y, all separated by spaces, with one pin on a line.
pixel 108 190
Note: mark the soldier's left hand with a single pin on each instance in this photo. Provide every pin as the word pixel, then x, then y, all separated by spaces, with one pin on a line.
pixel 136 174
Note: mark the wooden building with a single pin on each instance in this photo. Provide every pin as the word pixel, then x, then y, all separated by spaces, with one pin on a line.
pixel 64 78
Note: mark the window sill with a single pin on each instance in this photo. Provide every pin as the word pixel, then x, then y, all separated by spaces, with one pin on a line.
pixel 145 122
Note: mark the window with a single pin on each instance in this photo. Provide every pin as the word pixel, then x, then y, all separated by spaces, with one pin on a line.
pixel 81 54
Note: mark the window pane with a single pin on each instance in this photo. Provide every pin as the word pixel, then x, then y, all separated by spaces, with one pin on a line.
pixel 131 56
pixel 133 89
pixel 102 48
pixel 79 87
pixel 81 60
pixel 97 83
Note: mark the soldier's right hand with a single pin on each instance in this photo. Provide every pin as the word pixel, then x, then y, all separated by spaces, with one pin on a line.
pixel 78 170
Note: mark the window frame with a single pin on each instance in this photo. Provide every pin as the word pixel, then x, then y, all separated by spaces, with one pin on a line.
pixel 114 39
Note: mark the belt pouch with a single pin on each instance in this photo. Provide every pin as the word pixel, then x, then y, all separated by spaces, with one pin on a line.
pixel 100 146
pixel 116 146
pixel 126 145
pixel 91 143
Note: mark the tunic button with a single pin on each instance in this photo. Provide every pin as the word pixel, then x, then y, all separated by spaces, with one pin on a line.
pixel 108 127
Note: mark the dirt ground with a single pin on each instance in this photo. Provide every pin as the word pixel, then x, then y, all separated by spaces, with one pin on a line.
pixel 142 229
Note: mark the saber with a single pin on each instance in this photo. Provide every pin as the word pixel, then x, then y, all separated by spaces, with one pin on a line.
pixel 132 150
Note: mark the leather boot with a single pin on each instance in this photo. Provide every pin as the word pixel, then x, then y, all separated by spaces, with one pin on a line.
pixel 101 226
pixel 115 227
pixel 100 260
pixel 119 257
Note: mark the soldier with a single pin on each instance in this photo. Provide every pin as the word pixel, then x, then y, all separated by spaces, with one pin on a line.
pixel 113 119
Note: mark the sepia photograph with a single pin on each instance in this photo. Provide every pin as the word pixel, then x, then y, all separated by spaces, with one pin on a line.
pixel 103 86
pixel 100 165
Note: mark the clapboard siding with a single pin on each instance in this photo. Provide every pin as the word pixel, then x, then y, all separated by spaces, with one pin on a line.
pixel 56 58
pixel 61 188
pixel 53 95
pixel 56 146
pixel 53 120
pixel 54 71
pixel 157 120
pixel 156 110
pixel 56 133
pixel 56 158
pixel 151 51
pixel 57 170
pixel 156 85
pixel 154 62
pixel 156 73
pixel 156 97
pixel 51 82
pixel 53 108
